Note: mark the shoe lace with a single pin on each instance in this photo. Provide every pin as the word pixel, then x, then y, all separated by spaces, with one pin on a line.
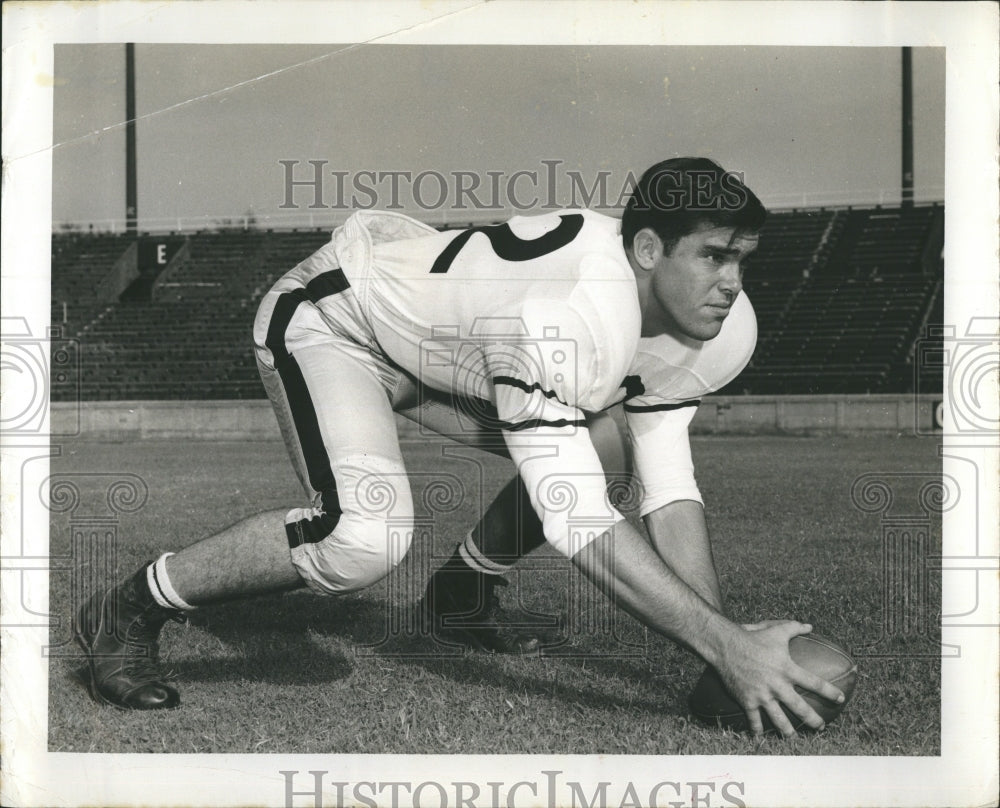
pixel 492 608
pixel 142 644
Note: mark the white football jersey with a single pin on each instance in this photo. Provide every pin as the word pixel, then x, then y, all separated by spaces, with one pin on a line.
pixel 540 317
pixel 556 290
pixel 668 377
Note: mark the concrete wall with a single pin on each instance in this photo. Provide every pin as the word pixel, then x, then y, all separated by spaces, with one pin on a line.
pixel 832 413
pixel 253 420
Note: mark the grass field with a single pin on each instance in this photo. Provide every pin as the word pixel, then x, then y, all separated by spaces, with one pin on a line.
pixel 303 674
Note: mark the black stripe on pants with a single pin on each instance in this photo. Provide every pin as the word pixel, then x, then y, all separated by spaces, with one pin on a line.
pixel 301 405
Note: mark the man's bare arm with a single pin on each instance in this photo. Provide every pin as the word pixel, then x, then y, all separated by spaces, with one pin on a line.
pixel 680 537
pixel 755 665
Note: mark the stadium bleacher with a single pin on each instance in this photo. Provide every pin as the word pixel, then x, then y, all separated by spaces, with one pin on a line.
pixel 80 263
pixel 842 296
pixel 847 320
pixel 191 337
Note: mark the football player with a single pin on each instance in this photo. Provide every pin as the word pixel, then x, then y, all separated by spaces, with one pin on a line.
pixel 519 338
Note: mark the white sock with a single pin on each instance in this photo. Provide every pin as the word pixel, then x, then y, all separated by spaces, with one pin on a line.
pixel 474 557
pixel 159 586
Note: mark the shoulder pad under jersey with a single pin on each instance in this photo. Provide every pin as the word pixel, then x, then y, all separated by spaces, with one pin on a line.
pixel 673 369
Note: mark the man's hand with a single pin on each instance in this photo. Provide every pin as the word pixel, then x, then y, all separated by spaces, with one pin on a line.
pixel 753 662
pixel 761 675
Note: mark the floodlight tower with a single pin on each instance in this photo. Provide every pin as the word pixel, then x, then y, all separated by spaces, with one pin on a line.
pixel 131 204
pixel 907 181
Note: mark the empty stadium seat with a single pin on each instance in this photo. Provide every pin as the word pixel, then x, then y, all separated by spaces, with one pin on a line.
pixel 842 297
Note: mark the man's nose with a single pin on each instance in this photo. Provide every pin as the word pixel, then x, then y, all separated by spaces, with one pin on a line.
pixel 732 280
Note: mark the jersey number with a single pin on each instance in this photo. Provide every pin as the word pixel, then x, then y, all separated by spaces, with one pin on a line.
pixel 511 248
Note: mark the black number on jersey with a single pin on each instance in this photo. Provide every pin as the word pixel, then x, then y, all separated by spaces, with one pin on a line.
pixel 511 248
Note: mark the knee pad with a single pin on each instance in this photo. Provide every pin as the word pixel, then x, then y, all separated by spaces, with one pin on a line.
pixel 368 539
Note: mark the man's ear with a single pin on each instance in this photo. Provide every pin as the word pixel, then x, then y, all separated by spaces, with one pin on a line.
pixel 647 248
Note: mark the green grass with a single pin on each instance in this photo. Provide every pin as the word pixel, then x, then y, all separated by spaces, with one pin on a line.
pixel 304 674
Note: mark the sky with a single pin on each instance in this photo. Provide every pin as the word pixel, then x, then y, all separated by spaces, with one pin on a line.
pixel 805 125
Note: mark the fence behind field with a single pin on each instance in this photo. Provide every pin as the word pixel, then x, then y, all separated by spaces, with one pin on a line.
pixel 253 420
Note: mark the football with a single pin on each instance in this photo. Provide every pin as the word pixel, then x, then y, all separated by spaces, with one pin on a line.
pixel 711 703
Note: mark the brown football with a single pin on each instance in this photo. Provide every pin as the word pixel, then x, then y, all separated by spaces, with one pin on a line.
pixel 711 703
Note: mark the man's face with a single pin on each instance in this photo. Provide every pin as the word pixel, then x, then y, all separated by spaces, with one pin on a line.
pixel 693 288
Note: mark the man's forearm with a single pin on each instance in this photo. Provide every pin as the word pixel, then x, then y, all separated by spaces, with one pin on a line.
pixel 755 665
pixel 680 538
pixel 624 566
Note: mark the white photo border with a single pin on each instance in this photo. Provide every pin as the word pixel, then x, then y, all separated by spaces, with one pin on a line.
pixel 965 772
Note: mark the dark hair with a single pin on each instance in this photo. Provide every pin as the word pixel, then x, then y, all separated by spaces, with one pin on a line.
pixel 678 195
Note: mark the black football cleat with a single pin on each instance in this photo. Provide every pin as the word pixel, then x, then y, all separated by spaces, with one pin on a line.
pixel 118 631
pixel 462 608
